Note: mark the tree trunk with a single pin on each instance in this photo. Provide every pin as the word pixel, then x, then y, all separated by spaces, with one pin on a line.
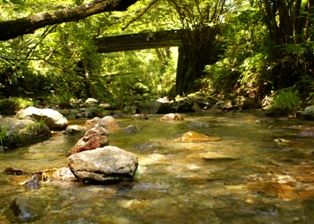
pixel 288 24
pixel 201 48
pixel 14 28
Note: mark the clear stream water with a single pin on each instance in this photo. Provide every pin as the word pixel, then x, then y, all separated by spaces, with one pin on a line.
pixel 260 171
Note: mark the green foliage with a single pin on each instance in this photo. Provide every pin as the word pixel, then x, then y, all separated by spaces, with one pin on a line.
pixel 62 100
pixel 233 39
pixel 242 68
pixel 290 52
pixel 22 103
pixel 286 101
pixel 10 105
pixel 61 62
pixel 127 74
pixel 39 127
pixel 3 133
pixel 307 85
pixel 217 74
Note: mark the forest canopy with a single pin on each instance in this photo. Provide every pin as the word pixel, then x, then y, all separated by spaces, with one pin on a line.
pixel 252 49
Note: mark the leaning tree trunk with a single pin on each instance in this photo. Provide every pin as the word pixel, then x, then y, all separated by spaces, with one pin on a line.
pixel 14 28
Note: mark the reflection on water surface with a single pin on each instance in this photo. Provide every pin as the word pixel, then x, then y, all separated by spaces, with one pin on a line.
pixel 259 171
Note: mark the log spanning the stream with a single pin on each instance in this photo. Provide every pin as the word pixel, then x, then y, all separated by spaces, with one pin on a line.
pixel 140 41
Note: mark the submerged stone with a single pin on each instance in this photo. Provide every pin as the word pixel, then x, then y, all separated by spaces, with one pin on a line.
pixel 60 174
pixel 132 129
pixel 139 117
pixel 200 124
pixel 288 183
pixel 195 136
pixel 219 156
pixel 27 209
pixel 74 129
pixel 92 122
pixel 307 133
pixel 171 117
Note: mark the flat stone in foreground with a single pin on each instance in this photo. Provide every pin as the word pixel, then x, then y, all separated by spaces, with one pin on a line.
pixel 106 164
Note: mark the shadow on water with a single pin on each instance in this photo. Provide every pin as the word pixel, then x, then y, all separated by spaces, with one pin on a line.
pixel 258 171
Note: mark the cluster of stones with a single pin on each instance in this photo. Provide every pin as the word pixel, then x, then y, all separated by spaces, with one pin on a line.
pixel 93 160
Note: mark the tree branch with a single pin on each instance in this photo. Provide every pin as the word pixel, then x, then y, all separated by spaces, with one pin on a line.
pixel 14 28
pixel 139 15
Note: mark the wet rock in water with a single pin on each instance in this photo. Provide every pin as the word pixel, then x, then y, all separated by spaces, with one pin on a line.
pixel 195 136
pixel 158 186
pixel 200 124
pixel 107 164
pixel 92 122
pixel 274 189
pixel 97 130
pixel 139 117
pixel 33 183
pixel 12 171
pixel 94 138
pixel 307 133
pixel 132 129
pixel 74 129
pixel 52 118
pixel 171 117
pixel 27 209
pixel 109 123
pixel 218 156
pixel 61 174
pixel 288 183
pixel 86 113
pixel 22 132
pixel 307 114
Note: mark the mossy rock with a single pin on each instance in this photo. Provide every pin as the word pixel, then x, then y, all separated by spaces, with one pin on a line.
pixel 17 133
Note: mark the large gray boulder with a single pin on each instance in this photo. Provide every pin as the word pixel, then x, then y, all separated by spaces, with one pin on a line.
pixel 52 118
pixel 107 164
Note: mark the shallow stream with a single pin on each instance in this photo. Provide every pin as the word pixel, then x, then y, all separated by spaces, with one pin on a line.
pixel 259 171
